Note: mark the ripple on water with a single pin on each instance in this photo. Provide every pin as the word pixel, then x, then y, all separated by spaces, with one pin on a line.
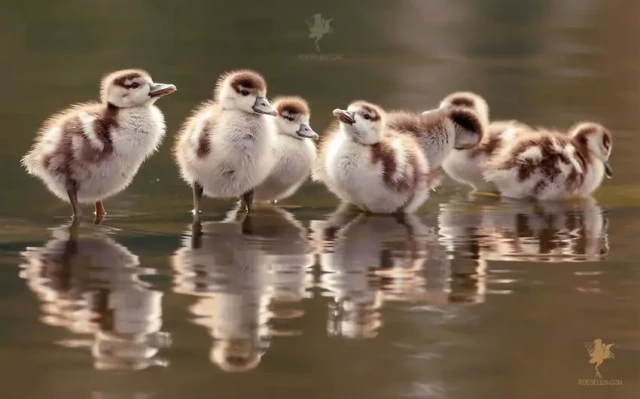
pixel 246 276
pixel 91 286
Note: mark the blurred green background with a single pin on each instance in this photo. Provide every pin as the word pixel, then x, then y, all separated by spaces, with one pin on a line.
pixel 549 63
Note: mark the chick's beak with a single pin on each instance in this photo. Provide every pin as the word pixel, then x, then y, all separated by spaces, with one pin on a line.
pixel 344 116
pixel 306 131
pixel 262 106
pixel 161 89
pixel 607 170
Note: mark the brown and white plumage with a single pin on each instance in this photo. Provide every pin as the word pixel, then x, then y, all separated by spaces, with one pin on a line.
pixel 467 165
pixel 295 152
pixel 225 148
pixel 92 151
pixel 365 162
pixel 439 131
pixel 549 165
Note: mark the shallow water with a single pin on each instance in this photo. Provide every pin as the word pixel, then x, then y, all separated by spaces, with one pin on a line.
pixel 471 297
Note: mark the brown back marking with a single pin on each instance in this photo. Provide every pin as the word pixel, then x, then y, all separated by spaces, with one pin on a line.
pixel 488 147
pixel 432 123
pixel 467 119
pixel 102 125
pixel 493 140
pixel 383 152
pixel 417 175
pixel 405 122
pixel 204 142
pixel 547 165
pixel 106 119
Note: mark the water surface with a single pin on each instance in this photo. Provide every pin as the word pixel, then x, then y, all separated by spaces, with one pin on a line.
pixel 469 298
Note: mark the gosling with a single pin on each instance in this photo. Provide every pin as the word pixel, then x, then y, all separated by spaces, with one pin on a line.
pixel 92 151
pixel 368 164
pixel 225 149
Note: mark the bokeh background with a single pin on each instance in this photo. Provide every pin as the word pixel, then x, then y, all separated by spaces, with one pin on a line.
pixel 474 312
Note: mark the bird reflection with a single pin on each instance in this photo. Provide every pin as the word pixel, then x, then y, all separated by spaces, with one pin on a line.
pixel 467 269
pixel 507 230
pixel 367 260
pixel 90 285
pixel 284 242
pixel 243 269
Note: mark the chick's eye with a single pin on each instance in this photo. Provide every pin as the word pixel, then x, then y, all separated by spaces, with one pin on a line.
pixel 244 92
pixel 367 116
pixel 134 85
pixel 289 118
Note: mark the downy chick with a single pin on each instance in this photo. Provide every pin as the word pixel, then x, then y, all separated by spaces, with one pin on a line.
pixel 365 162
pixel 440 131
pixel 225 148
pixel 548 165
pixel 92 151
pixel 467 165
pixel 295 152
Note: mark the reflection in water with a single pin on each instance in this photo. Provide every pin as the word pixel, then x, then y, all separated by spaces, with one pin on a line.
pixel 371 259
pixel 246 275
pixel 90 285
pixel 528 231
pixel 284 242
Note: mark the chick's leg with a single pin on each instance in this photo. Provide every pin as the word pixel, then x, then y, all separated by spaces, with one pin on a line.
pixel 247 200
pixel 197 196
pixel 100 212
pixel 72 191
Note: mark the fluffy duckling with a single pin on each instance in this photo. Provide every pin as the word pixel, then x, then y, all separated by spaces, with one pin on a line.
pixel 92 151
pixel 548 165
pixel 369 164
pixel 225 149
pixel 467 165
pixel 295 152
pixel 440 131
